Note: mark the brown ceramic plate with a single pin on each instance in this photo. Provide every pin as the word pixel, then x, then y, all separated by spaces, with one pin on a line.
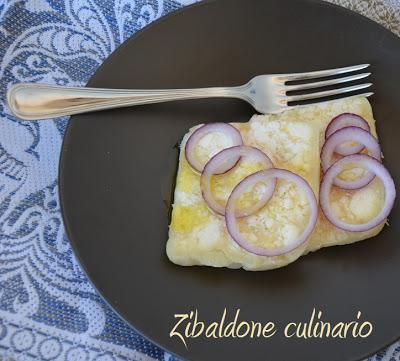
pixel 117 169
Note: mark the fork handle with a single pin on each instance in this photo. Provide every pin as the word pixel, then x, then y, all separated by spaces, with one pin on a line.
pixel 41 101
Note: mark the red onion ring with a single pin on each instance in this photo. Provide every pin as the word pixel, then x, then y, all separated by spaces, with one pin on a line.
pixel 192 143
pixel 345 135
pixel 374 166
pixel 347 120
pixel 225 157
pixel 269 174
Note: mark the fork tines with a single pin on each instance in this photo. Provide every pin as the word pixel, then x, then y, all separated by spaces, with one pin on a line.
pixel 309 96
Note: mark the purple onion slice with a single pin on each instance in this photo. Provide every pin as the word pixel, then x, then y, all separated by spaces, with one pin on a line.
pixel 345 135
pixel 347 120
pixel 219 161
pixel 231 134
pixel 378 170
pixel 262 176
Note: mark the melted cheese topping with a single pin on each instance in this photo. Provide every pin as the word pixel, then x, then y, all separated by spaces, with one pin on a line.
pixel 292 140
pixel 198 236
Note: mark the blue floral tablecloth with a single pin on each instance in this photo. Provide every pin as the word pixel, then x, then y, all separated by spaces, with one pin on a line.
pixel 48 309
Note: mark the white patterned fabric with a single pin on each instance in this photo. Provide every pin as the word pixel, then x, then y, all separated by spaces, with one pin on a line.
pixel 48 309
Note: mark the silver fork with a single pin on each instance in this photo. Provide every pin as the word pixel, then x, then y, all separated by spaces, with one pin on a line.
pixel 266 93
